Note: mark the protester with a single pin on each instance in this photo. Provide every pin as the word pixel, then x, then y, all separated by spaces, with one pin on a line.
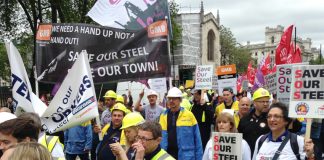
pixel 51 143
pixel 17 130
pixel 244 110
pixel 255 124
pixel 101 107
pixel 228 103
pixel 4 116
pixel 148 142
pixel 225 123
pixel 112 133
pixel 30 151
pixel 180 131
pixel 11 105
pixel 151 111
pixel 279 143
pixel 78 141
pixel 128 102
pixel 204 115
pixel 110 100
pixel 130 126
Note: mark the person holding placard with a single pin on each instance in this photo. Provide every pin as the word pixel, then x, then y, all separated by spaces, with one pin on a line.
pixel 279 143
pixel 225 123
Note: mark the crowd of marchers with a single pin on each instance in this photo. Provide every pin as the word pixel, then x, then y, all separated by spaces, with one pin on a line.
pixel 176 126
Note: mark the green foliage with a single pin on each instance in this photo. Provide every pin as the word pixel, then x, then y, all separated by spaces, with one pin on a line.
pixel 232 52
pixel 176 28
pixel 318 60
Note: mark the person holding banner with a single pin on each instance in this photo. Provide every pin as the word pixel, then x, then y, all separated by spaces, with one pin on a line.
pixel 110 100
pixel 112 133
pixel 255 124
pixel 228 103
pixel 279 143
pixel 225 123
pixel 151 111
pixel 180 131
pixel 204 115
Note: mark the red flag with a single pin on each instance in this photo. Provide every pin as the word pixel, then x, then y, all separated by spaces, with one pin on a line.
pixel 291 53
pixel 283 48
pixel 297 56
pixel 251 73
pixel 265 68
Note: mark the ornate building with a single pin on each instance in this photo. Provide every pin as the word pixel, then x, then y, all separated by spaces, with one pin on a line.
pixel 199 44
pixel 272 39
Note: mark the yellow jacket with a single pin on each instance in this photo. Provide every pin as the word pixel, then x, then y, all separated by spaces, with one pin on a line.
pixel 221 107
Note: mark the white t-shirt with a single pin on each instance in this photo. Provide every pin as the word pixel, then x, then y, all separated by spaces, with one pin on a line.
pixel 269 148
pixel 152 113
pixel 246 151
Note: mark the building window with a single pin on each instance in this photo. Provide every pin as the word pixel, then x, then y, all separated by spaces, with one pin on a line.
pixel 263 53
pixel 272 39
pixel 271 51
pixel 256 54
pixel 211 45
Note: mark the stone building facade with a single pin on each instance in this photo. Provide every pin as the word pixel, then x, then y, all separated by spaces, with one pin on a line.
pixel 199 44
pixel 272 39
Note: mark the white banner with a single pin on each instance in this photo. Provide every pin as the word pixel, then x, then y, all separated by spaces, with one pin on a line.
pixel 270 81
pixel 158 85
pixel 126 14
pixel 23 96
pixel 75 102
pixel 204 77
pixel 223 83
pixel 307 92
pixel 227 145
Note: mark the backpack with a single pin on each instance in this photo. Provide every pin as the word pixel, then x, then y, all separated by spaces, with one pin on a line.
pixel 293 143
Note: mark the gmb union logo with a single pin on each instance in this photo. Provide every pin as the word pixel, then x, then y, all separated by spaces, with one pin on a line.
pixel 320 110
pixel 302 108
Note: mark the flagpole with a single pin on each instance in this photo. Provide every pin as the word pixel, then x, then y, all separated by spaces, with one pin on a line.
pixel 320 54
pixel 295 39
pixel 169 50
pixel 36 82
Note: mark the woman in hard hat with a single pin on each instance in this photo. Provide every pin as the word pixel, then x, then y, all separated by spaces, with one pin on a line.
pixel 225 123
pixel 130 127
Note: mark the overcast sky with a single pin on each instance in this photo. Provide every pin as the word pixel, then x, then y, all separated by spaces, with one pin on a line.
pixel 247 19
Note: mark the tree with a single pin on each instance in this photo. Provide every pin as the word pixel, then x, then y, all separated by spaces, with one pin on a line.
pixel 232 52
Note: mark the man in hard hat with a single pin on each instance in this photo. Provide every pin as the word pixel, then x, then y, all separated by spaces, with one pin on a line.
pixel 204 114
pixel 112 132
pixel 110 100
pixel 148 142
pixel 180 131
pixel 151 111
pixel 228 103
pixel 130 126
pixel 255 124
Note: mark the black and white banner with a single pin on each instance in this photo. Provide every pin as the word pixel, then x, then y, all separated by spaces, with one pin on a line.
pixel 114 54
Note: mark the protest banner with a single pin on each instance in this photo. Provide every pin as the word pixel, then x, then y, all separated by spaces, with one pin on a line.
pixel 158 85
pixel 115 13
pixel 204 77
pixel 189 84
pixel 283 81
pixel 215 83
pixel 226 146
pixel 226 78
pixel 23 96
pixel 270 81
pixel 245 85
pixel 75 102
pixel 114 54
pixel 307 92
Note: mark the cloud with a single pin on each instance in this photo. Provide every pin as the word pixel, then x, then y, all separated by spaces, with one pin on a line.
pixel 248 19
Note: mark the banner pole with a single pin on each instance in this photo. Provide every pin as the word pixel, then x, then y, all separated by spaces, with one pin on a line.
pixel 100 91
pixel 36 82
pixel 308 128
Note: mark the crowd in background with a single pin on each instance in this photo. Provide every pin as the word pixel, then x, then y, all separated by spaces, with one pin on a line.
pixel 176 126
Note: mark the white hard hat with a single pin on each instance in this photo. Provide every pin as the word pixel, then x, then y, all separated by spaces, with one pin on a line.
pixel 152 92
pixel 5 116
pixel 174 92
